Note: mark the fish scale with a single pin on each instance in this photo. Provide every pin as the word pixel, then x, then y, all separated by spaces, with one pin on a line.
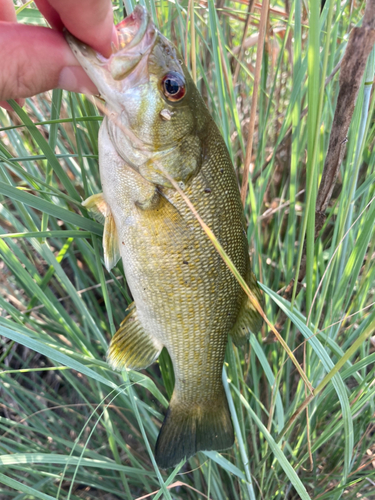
pixel 185 297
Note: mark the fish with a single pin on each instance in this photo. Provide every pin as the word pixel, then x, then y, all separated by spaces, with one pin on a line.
pixel 157 133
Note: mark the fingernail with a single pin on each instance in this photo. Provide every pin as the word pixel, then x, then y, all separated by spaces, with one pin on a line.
pixel 74 78
pixel 68 79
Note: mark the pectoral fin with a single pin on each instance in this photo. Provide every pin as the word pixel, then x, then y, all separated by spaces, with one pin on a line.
pixel 248 317
pixel 110 243
pixel 97 207
pixel 131 347
pixel 100 210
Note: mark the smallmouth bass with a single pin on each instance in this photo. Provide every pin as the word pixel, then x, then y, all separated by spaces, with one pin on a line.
pixel 185 297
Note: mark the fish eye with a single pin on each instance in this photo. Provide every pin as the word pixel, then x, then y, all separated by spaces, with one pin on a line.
pixel 173 86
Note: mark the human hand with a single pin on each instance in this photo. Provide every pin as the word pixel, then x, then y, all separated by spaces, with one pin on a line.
pixel 34 59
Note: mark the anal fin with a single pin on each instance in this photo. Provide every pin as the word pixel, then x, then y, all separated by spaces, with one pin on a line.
pixel 131 347
pixel 248 317
pixel 100 210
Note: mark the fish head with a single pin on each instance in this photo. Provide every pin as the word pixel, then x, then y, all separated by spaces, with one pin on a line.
pixel 154 109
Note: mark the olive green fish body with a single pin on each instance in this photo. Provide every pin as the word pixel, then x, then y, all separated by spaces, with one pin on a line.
pixel 185 297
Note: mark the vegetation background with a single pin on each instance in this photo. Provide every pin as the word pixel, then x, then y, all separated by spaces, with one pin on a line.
pixel 70 427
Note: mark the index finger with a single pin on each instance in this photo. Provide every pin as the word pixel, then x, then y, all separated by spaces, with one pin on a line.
pixel 89 20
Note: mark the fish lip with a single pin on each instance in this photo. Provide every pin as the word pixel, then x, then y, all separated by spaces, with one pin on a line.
pixel 136 37
pixel 133 28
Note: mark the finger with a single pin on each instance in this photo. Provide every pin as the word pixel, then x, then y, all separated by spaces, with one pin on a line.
pixel 8 107
pixel 50 14
pixel 37 59
pixel 7 11
pixel 89 20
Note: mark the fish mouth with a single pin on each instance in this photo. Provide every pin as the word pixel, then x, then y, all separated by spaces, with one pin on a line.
pixel 127 65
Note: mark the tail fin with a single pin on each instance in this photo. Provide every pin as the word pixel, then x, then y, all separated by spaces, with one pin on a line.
pixel 185 431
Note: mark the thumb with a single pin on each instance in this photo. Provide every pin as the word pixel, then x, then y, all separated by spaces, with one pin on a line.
pixel 37 59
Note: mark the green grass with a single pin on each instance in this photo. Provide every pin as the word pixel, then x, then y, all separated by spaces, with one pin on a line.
pixel 70 427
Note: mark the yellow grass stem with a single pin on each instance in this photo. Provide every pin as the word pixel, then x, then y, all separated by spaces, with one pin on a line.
pixel 254 101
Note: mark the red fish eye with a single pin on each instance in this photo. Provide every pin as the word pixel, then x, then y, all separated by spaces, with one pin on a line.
pixel 173 85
